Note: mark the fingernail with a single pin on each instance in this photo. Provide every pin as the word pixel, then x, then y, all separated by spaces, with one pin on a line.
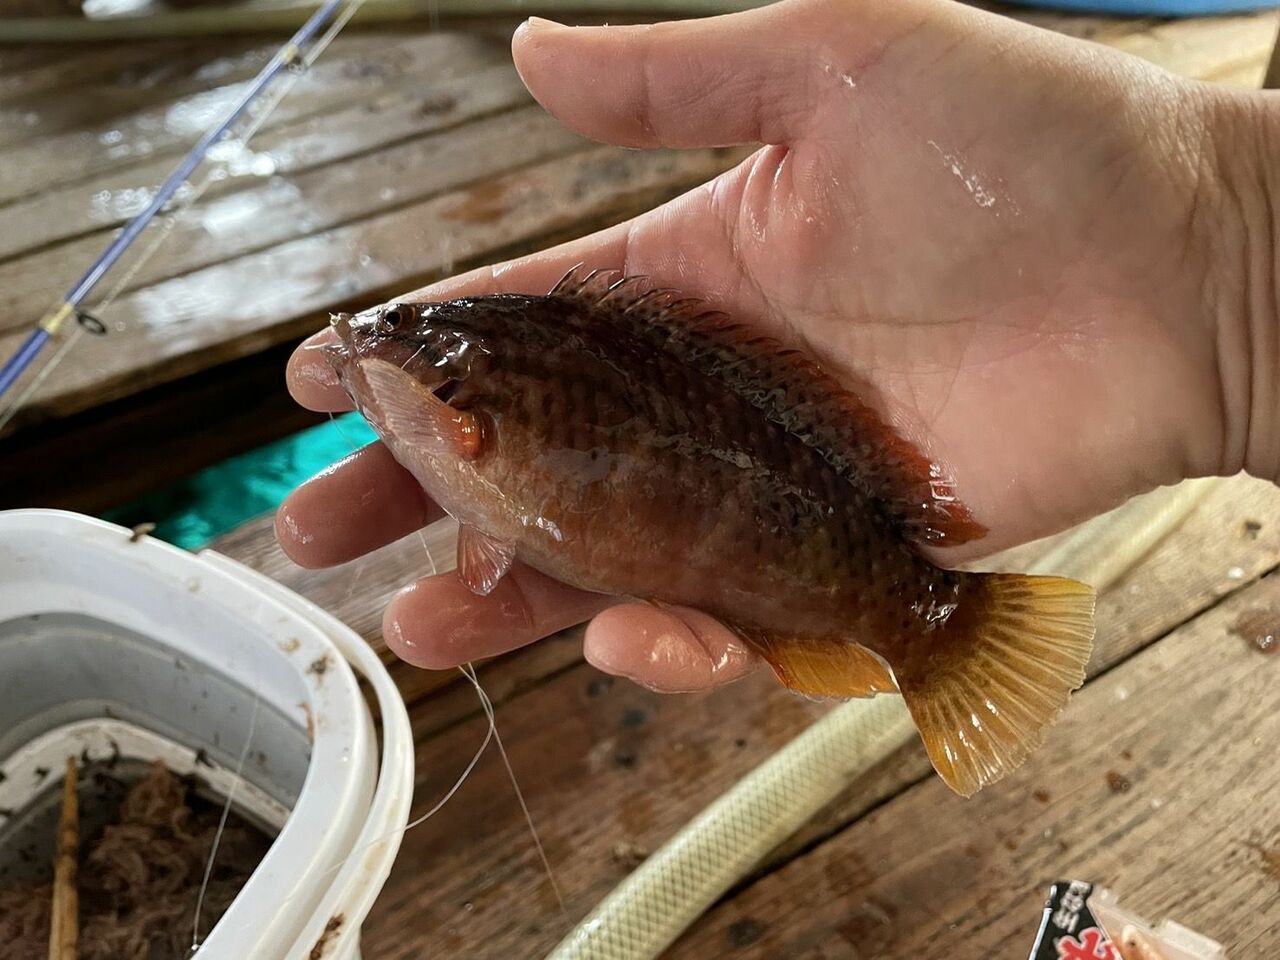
pixel 542 23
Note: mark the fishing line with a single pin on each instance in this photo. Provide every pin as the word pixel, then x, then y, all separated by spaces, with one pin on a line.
pixel 468 671
pixel 435 808
pixel 258 109
pixel 222 824
pixel 511 775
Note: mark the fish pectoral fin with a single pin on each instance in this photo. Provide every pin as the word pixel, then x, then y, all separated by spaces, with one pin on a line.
pixel 482 559
pixel 992 682
pixel 833 667
pixel 417 416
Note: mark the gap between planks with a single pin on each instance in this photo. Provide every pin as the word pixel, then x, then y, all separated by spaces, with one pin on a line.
pixel 335 81
pixel 1149 786
pixel 31 226
pixel 314 201
pixel 204 318
pixel 606 784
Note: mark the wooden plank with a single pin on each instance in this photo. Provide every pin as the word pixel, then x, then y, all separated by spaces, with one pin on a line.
pixel 276 210
pixel 145 442
pixel 94 206
pixel 608 770
pixel 611 771
pixel 1229 541
pixel 107 62
pixel 354 68
pixel 1151 786
pixel 1213 48
pixel 114 83
pixel 1215 551
pixel 203 318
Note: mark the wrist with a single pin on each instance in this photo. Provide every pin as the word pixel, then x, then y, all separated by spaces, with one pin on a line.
pixel 1237 220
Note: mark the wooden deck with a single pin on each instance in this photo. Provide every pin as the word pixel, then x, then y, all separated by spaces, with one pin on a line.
pixel 409 155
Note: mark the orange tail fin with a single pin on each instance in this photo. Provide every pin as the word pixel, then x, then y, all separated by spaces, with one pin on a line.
pixel 982 690
pixel 982 702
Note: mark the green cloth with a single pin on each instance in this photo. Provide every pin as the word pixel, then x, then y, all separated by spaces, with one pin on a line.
pixel 217 499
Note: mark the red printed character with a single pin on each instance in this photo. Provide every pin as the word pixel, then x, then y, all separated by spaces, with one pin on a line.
pixel 1090 946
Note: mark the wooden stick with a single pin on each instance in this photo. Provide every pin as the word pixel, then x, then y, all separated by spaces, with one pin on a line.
pixel 1272 79
pixel 266 15
pixel 65 928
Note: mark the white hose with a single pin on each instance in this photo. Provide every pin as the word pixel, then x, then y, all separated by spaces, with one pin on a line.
pixel 656 903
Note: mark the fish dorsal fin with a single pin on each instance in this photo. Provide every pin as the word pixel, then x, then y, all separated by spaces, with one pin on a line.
pixel 794 392
pixel 482 560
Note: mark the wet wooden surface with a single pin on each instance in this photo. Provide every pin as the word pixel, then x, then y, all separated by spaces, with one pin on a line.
pixel 1153 783
pixel 410 155
pixel 402 156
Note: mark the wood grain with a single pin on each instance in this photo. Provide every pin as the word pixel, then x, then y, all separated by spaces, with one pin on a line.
pixel 610 771
pixel 400 113
pixel 73 98
pixel 897 867
pixel 277 209
pixel 1150 786
pixel 355 67
pixel 234 308
pixel 62 68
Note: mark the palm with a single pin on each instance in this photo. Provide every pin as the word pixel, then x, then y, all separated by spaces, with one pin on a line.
pixel 994 284
pixel 1004 260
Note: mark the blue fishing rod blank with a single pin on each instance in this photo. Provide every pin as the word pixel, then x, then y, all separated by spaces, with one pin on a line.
pixel 49 326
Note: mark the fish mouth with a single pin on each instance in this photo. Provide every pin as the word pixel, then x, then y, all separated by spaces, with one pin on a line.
pixel 338 352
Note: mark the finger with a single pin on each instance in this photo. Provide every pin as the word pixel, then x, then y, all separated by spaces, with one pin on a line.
pixel 721 81
pixel 311 379
pixel 359 504
pixel 668 649
pixel 439 623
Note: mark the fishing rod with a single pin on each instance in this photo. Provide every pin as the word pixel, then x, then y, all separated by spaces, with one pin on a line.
pixel 52 322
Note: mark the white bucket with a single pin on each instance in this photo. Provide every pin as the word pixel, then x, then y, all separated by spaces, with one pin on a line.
pixel 138 647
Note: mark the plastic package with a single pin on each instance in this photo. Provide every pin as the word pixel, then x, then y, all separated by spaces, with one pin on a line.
pixel 1084 922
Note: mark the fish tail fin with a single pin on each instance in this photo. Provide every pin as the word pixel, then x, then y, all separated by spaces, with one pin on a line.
pixel 983 693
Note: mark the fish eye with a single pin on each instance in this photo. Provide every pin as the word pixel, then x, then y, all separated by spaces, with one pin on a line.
pixel 395 316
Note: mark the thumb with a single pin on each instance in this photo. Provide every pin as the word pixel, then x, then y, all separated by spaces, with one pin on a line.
pixel 736 79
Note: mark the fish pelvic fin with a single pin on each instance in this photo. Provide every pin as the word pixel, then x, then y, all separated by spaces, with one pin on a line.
pixel 999 673
pixel 821 667
pixel 482 560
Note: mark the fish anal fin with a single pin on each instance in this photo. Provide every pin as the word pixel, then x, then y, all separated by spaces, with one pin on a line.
pixel 986 689
pixel 482 560
pixel 833 667
pixel 839 417
pixel 416 416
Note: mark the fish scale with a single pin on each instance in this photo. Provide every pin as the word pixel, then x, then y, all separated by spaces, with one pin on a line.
pixel 633 442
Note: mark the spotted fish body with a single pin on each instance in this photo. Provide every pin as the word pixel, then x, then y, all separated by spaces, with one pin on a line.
pixel 632 443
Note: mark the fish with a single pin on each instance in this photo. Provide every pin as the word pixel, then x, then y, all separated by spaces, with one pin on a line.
pixel 634 442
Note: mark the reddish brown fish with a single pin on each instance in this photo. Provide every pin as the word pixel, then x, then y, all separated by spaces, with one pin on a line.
pixel 630 442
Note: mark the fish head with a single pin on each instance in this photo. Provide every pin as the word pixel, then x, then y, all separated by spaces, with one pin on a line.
pixel 436 344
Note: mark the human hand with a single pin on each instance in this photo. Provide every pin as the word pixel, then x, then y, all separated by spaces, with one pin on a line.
pixel 1018 239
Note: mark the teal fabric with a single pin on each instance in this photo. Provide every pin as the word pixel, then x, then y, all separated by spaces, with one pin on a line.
pixel 220 498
